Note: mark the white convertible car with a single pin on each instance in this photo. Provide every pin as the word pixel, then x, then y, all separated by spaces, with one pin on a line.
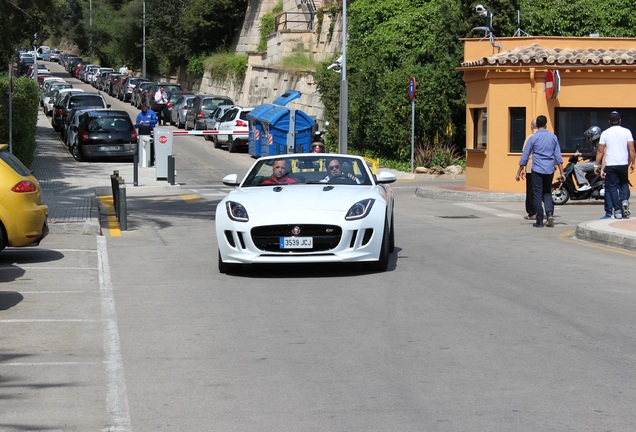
pixel 306 208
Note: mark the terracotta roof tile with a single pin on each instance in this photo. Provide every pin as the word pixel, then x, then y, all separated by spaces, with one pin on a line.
pixel 557 56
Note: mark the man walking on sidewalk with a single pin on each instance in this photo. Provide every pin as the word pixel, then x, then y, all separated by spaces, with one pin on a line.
pixel 546 154
pixel 617 144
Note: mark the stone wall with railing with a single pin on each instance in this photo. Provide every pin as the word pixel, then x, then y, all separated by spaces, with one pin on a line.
pixel 265 79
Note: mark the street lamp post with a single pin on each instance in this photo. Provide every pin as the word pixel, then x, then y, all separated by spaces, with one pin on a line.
pixel 143 59
pixel 90 29
pixel 344 88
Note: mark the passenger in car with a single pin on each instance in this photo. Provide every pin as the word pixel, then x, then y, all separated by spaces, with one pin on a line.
pixel 280 174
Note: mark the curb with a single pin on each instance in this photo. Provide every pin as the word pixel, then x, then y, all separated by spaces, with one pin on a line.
pixel 600 232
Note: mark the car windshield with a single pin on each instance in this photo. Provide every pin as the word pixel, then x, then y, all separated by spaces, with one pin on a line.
pixel 212 103
pixel 87 101
pixel 168 88
pixel 323 169
pixel 110 124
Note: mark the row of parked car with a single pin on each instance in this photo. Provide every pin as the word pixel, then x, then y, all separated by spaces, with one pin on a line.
pixel 184 109
pixel 87 125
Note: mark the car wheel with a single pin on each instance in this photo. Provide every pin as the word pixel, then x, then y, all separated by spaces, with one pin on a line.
pixel 179 124
pixel 560 194
pixel 3 238
pixel 392 235
pixel 77 153
pixel 231 147
pixel 227 268
pixel 215 140
pixel 383 261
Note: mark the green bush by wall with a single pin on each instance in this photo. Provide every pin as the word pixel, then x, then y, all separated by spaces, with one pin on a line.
pixel 26 94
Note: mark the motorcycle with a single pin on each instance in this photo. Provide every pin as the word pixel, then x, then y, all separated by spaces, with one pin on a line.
pixel 562 192
pixel 318 143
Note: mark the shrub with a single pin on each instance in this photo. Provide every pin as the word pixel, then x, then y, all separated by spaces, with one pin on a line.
pixel 25 99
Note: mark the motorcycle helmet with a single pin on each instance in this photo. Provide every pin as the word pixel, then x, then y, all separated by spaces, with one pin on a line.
pixel 593 134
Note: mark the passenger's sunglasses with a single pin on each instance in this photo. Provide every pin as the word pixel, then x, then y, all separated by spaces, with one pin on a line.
pixel 334 167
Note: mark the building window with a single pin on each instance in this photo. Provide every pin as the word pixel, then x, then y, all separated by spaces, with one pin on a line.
pixel 517 129
pixel 571 123
pixel 481 128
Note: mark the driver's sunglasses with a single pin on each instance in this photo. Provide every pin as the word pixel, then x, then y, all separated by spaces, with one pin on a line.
pixel 334 167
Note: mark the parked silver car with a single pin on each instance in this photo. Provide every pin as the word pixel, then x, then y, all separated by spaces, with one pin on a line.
pixel 212 122
pixel 179 109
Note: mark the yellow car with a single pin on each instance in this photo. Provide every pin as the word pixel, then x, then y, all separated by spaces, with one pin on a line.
pixel 23 218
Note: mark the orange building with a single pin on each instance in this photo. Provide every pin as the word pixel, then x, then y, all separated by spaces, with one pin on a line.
pixel 574 82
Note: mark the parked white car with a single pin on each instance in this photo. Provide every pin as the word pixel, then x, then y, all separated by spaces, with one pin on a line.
pixel 233 129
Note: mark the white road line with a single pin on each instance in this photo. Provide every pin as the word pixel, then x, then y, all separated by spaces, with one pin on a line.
pixel 21 321
pixel 488 210
pixel 117 396
pixel 51 364
pixel 27 267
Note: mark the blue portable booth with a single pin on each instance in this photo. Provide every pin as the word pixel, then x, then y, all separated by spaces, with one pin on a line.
pixel 275 129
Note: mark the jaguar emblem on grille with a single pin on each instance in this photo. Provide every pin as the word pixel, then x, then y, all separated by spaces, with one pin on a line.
pixel 295 230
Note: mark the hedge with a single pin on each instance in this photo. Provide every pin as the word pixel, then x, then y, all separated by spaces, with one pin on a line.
pixel 26 97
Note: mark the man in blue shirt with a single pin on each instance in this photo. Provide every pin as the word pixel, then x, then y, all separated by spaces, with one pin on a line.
pixel 146 117
pixel 546 154
pixel 145 122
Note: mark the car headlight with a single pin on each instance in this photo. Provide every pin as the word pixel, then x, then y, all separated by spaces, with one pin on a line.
pixel 360 209
pixel 236 211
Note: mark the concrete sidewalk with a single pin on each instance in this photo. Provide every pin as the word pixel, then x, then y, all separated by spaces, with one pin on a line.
pixel 69 188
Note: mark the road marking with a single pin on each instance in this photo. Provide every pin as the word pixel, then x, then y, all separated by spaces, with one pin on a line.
pixel 111 218
pixel 569 236
pixel 117 396
pixel 192 198
pixel 51 364
pixel 48 268
pixel 488 210
pixel 70 320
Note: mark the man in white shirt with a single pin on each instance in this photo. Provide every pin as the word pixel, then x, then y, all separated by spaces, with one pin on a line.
pixel 161 101
pixel 617 145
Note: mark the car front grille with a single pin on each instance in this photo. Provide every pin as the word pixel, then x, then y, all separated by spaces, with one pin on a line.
pixel 325 237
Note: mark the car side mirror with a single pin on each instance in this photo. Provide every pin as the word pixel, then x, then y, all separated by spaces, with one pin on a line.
pixel 107 105
pixel 231 180
pixel 385 177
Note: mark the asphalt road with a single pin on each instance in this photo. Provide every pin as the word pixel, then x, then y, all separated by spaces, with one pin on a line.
pixel 481 323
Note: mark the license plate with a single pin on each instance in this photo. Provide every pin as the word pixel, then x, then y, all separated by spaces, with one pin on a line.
pixel 296 242
pixel 109 148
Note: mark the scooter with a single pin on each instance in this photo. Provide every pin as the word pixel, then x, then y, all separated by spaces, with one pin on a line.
pixel 318 143
pixel 562 192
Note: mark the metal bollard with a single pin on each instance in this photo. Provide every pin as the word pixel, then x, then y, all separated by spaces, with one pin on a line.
pixel 114 184
pixel 122 215
pixel 136 170
pixel 171 169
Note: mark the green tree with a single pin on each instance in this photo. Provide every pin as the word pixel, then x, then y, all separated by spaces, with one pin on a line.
pixel 608 18
pixel 21 20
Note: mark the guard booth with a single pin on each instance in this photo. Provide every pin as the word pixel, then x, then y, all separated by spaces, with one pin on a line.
pixel 275 129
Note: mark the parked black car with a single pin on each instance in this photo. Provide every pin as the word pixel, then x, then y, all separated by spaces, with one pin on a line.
pixel 74 101
pixel 202 106
pixel 168 87
pixel 128 87
pixel 104 134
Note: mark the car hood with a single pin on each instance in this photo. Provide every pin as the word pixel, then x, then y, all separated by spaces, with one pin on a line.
pixel 303 198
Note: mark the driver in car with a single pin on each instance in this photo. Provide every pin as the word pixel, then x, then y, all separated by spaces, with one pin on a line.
pixel 280 174
pixel 334 169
